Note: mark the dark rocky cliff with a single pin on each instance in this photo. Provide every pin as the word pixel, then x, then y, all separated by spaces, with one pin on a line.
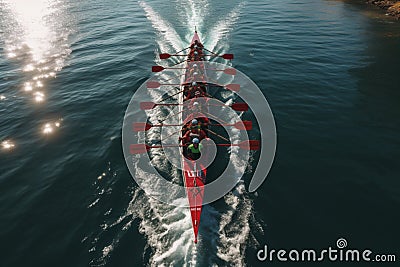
pixel 392 6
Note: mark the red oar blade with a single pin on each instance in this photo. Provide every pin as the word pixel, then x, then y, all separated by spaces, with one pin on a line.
pixel 165 56
pixel 230 71
pixel 244 125
pixel 250 145
pixel 240 106
pixel 233 87
pixel 157 68
pixel 153 84
pixel 227 56
pixel 138 148
pixel 141 126
pixel 147 105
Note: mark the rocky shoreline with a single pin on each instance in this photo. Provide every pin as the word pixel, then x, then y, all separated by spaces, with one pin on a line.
pixel 392 7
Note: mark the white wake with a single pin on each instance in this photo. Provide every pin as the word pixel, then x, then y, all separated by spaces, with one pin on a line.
pixel 168 229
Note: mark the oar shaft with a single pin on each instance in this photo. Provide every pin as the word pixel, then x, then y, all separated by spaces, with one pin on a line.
pixel 166 125
pixel 183 50
pixel 169 104
pixel 164 146
pixel 220 136
pixel 181 91
pixel 219 124
pixel 209 51
pixel 168 68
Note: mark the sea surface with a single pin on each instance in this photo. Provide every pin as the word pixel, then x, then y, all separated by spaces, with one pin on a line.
pixel 68 69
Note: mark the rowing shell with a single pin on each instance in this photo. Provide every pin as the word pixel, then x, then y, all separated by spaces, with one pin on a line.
pixel 194 176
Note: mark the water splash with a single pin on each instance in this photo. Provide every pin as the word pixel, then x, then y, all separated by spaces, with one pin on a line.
pixel 223 28
pixel 167 36
pixel 194 13
pixel 234 227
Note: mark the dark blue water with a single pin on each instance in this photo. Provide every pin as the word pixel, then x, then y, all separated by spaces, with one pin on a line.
pixel 329 70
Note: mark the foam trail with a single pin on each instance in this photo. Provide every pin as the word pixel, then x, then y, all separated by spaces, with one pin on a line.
pixel 234 228
pixel 223 28
pixel 194 12
pixel 165 31
pixel 167 228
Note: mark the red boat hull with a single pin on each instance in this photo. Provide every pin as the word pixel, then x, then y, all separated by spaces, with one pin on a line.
pixel 194 178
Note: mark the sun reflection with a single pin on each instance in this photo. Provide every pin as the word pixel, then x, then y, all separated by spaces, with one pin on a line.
pixel 39 84
pixel 36 36
pixel 29 67
pixel 39 96
pixel 7 145
pixel 47 129
pixel 28 86
pixel 31 16
pixel 50 127
pixel 37 31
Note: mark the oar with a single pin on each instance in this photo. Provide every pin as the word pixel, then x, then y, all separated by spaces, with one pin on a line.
pixel 229 71
pixel 166 55
pixel 183 49
pixel 154 84
pixel 236 106
pixel 143 148
pixel 174 133
pixel 224 56
pixel 151 105
pixel 240 106
pixel 161 68
pixel 144 126
pixel 210 51
pixel 232 86
pixel 220 136
pixel 246 145
pixel 240 125
pixel 174 94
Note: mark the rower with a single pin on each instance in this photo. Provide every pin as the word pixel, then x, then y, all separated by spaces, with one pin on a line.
pixel 185 138
pixel 197 43
pixel 194 149
pixel 191 92
pixel 197 94
pixel 186 90
pixel 194 124
pixel 194 105
pixel 194 131
pixel 197 114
